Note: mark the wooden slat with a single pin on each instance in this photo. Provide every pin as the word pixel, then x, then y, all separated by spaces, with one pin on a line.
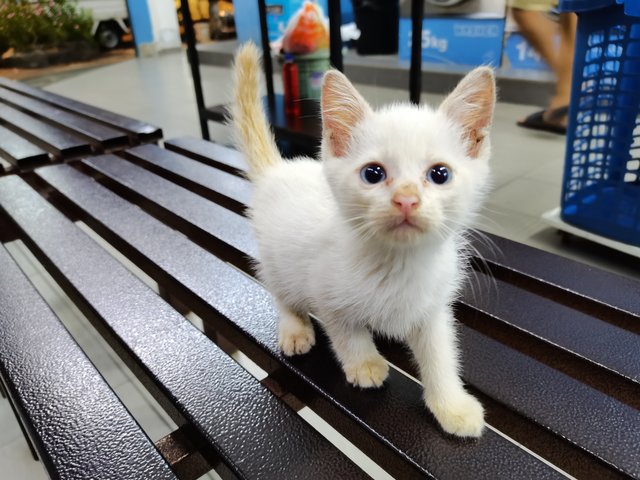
pixel 59 142
pixel 592 339
pixel 595 291
pixel 251 431
pixel 19 151
pixel 212 154
pixel 135 128
pixel 77 424
pixel 398 431
pixel 103 136
pixel 193 214
pixel 223 188
pixel 597 423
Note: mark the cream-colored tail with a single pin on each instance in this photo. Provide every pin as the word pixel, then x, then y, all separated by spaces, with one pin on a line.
pixel 253 133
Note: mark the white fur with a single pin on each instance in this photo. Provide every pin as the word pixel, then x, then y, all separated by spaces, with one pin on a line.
pixel 327 246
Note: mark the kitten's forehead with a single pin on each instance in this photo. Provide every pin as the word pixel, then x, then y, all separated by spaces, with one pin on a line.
pixel 408 133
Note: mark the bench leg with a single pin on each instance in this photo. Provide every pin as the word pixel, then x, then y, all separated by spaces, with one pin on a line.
pixel 180 452
pixel 172 300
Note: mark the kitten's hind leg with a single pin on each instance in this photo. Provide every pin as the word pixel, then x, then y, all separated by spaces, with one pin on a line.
pixel 436 352
pixel 295 332
pixel 362 363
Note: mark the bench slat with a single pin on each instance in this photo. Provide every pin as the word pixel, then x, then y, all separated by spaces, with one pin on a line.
pixel 590 338
pixel 212 154
pixel 244 422
pixel 575 283
pixel 99 133
pixel 18 151
pixel 217 185
pixel 170 258
pixel 555 400
pixel 53 139
pixel 187 209
pixel 77 435
pixel 136 128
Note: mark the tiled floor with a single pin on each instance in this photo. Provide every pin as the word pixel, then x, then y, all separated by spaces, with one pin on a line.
pixel 527 172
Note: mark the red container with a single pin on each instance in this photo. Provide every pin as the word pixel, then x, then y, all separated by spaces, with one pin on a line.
pixel 291 85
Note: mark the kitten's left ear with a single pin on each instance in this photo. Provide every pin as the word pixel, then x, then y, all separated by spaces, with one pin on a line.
pixel 471 106
pixel 342 109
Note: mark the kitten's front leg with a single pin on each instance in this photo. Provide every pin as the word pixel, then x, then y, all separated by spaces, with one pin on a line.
pixel 353 345
pixel 295 332
pixel 436 351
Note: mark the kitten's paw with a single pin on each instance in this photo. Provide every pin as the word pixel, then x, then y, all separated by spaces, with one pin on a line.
pixel 368 374
pixel 296 341
pixel 460 414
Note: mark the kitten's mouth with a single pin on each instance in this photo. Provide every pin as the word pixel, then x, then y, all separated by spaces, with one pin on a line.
pixel 406 224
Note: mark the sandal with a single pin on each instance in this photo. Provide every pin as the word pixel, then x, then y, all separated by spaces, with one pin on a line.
pixel 537 120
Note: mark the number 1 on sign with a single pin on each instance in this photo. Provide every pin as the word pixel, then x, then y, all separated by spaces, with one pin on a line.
pixel 525 51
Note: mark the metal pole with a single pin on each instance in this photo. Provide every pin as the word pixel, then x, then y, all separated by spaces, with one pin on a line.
pixel 194 63
pixel 415 70
pixel 266 53
pixel 335 39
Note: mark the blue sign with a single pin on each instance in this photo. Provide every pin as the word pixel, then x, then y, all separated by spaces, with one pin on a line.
pixel 519 54
pixel 456 41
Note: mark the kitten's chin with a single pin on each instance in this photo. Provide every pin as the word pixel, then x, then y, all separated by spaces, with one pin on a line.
pixel 404 233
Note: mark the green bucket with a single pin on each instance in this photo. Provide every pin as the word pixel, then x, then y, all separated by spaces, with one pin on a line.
pixel 311 68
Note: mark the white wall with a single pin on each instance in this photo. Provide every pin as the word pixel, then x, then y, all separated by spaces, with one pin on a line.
pixel 165 24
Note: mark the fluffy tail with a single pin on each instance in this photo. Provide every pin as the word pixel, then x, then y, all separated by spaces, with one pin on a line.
pixel 253 133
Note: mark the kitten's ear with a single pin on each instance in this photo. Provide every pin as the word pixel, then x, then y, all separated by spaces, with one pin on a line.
pixel 471 106
pixel 342 108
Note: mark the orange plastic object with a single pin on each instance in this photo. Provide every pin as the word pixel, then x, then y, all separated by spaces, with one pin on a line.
pixel 307 31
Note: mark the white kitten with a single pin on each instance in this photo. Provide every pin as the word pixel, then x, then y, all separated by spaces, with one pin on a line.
pixel 370 238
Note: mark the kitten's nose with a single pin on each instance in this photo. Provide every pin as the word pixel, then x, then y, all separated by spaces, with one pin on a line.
pixel 405 203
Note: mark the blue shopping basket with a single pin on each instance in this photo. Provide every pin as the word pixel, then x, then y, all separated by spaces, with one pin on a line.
pixel 601 187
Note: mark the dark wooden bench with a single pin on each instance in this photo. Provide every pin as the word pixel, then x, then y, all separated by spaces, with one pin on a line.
pixel 37 127
pixel 550 346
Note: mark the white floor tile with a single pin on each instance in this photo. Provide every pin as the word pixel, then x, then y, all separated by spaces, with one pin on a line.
pixel 153 420
pixel 527 196
pixel 17 463
pixel 9 428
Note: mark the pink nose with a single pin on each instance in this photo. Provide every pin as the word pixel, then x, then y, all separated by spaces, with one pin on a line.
pixel 405 203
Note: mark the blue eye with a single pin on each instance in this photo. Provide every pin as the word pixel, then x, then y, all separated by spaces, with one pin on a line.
pixel 439 174
pixel 372 173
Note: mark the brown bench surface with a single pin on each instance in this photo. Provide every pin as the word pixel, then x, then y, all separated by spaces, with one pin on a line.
pixel 551 357
pixel 237 421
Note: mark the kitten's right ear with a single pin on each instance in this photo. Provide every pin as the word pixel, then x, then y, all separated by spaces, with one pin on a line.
pixel 342 108
pixel 471 106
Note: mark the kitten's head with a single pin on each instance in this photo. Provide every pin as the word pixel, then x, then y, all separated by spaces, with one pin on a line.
pixel 406 174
